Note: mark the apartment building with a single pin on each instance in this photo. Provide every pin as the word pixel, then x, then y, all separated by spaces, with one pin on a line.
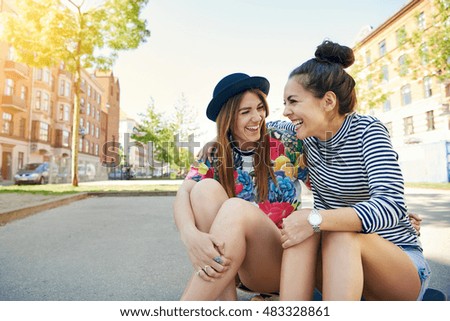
pixel 110 109
pixel 415 108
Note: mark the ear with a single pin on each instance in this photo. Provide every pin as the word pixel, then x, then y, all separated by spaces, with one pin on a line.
pixel 329 101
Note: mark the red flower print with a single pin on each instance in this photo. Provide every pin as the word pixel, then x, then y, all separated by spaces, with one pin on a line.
pixel 276 211
pixel 276 148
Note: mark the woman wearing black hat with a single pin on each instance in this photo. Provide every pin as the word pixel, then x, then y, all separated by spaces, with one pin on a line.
pixel 230 208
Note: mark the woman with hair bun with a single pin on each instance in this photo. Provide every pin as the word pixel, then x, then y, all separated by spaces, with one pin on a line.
pixel 368 246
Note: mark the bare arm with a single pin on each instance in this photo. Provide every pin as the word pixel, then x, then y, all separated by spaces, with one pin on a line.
pixel 202 247
pixel 296 227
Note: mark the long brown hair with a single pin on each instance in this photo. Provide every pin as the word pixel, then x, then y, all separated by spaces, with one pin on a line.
pixel 224 153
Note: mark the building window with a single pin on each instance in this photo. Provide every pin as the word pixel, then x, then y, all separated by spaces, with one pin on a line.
pixel 406 95
pixel 401 36
pixel 403 65
pixel 46 76
pixel 97 132
pixel 62 86
pixel 368 58
pixel 424 56
pixel 87 127
pixel 430 120
pixel 428 92
pixel 96 149
pixel 67 89
pixel 23 93
pixel 408 125
pixel 80 145
pixel 86 147
pixel 66 112
pixel 421 21
pixel 369 82
pixel 9 87
pixel 38 74
pixel 7 124
pixel 22 127
pixel 389 128
pixel 65 138
pixel 88 109
pixel 43 132
pixel 45 101
pixel 38 100
pixel 385 73
pixel 382 48
pixel 89 91
pixel 20 159
pixel 387 105
pixel 11 54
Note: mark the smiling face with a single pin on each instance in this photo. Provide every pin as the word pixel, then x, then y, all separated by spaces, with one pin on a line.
pixel 249 119
pixel 307 113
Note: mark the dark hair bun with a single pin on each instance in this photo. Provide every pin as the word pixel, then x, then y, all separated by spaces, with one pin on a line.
pixel 335 53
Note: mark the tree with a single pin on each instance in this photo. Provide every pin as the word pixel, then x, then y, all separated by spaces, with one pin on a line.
pixel 429 44
pixel 153 128
pixel 46 33
pixel 186 126
pixel 371 89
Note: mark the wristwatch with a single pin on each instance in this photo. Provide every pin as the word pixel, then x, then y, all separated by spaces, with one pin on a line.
pixel 314 218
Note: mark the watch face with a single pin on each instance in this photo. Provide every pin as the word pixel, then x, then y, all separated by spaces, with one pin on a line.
pixel 315 218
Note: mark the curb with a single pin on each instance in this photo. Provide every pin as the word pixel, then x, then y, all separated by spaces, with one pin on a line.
pixel 24 212
pixel 20 213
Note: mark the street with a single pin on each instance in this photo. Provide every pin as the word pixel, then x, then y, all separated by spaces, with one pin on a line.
pixel 128 248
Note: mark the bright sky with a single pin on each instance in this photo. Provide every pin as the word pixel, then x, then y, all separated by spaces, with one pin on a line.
pixel 195 43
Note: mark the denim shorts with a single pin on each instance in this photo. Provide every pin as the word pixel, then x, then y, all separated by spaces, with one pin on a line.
pixel 422 266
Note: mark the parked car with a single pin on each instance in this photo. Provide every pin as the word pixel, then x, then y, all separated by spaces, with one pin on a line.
pixel 35 173
pixel 121 174
pixel 86 172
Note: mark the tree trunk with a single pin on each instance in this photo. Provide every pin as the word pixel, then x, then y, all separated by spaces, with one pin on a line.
pixel 76 124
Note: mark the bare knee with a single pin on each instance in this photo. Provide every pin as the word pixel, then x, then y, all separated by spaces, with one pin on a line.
pixel 207 190
pixel 331 240
pixel 237 212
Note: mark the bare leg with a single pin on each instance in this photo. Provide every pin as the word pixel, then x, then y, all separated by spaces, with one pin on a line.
pixel 252 243
pixel 205 212
pixel 298 270
pixel 355 264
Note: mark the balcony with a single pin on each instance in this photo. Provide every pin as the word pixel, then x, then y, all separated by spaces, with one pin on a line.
pixel 13 104
pixel 15 69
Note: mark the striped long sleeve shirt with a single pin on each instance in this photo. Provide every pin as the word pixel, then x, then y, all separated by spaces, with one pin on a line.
pixel 358 168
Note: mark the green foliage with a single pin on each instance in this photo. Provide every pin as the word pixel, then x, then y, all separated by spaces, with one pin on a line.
pixel 165 132
pixel 44 33
pixel 430 46
pixel 154 128
pixel 370 89
pixel 427 53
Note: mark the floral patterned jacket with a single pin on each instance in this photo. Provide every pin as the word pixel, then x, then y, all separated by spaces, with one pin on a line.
pixel 286 155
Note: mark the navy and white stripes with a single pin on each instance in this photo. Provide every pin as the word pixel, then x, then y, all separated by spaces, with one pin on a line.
pixel 358 168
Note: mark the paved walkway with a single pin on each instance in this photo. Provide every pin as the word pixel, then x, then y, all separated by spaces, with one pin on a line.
pixel 127 248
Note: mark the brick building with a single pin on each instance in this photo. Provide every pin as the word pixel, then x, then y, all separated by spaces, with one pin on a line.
pixel 36 111
pixel 416 107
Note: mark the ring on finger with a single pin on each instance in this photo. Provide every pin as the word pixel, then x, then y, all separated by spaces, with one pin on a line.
pixel 218 260
pixel 198 272
pixel 205 268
